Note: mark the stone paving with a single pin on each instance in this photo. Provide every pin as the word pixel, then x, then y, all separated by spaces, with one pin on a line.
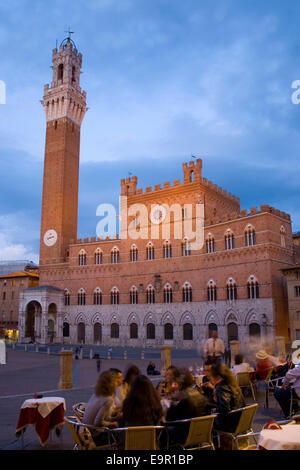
pixel 27 373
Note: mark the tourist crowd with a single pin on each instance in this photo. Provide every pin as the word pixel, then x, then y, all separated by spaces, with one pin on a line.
pixel 133 400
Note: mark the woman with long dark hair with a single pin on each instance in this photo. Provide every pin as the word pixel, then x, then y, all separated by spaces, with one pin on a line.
pixel 142 406
pixel 227 396
pixel 131 374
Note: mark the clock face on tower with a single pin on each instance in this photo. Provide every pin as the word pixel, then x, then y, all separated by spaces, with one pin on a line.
pixel 50 237
pixel 158 214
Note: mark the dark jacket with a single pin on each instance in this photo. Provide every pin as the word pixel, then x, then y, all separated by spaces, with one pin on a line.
pixel 192 406
pixel 226 401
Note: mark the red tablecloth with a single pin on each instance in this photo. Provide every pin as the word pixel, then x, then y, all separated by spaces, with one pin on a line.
pixel 43 425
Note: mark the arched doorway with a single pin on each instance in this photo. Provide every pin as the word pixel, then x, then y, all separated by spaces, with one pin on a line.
pixel 187 332
pixel 97 333
pixel 81 332
pixel 133 331
pixel 211 328
pixel 33 310
pixel 168 331
pixel 66 330
pixel 114 330
pixel 232 331
pixel 254 331
pixel 150 331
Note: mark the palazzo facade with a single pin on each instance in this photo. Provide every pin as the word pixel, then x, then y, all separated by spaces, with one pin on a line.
pixel 149 291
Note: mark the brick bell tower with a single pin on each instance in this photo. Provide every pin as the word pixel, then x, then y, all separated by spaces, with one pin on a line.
pixel 65 106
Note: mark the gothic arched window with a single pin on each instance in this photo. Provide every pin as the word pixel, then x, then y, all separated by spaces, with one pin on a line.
pixel 133 253
pixel 231 290
pixel 134 296
pixel 210 244
pixel 82 258
pixel 253 288
pixel 211 291
pixel 114 296
pixel 229 240
pixel 187 292
pixel 250 236
pixel 186 248
pixel 115 255
pixel 167 250
pixel 97 296
pixel 150 251
pixel 98 256
pixel 81 297
pixel 168 294
pixel 150 293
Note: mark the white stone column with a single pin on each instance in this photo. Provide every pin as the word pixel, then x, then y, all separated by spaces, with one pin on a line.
pixel 59 328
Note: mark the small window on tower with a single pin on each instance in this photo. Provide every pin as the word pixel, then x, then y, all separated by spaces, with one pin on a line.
pixel 55 125
pixel 73 74
pixel 60 73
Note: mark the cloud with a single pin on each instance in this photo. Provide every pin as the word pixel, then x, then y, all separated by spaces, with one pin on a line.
pixel 164 80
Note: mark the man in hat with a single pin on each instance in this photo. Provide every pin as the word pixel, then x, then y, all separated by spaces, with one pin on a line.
pixel 263 364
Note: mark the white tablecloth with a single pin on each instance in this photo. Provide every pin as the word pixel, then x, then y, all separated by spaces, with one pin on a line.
pixel 44 405
pixel 287 438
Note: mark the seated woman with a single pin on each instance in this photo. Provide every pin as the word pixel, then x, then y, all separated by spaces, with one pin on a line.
pixel 122 391
pixel 263 365
pixel 165 388
pixel 142 406
pixel 227 397
pixel 240 366
pixel 101 405
pixel 191 404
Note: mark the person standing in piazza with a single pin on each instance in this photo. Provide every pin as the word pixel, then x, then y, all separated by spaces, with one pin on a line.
pixel 214 347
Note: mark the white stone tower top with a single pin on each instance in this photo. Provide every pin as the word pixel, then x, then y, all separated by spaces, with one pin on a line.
pixel 65 98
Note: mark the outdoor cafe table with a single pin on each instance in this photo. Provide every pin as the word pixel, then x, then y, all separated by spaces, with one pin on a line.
pixel 287 438
pixel 43 413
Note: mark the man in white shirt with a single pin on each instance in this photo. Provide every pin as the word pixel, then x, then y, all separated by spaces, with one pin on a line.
pixel 290 387
pixel 214 347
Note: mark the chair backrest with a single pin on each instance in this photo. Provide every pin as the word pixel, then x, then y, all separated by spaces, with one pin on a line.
pixel 246 419
pixel 200 431
pixel 141 438
pixel 269 374
pixel 79 409
pixel 81 435
pixel 243 379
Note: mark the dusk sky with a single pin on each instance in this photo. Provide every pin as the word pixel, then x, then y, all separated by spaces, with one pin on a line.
pixel 165 79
